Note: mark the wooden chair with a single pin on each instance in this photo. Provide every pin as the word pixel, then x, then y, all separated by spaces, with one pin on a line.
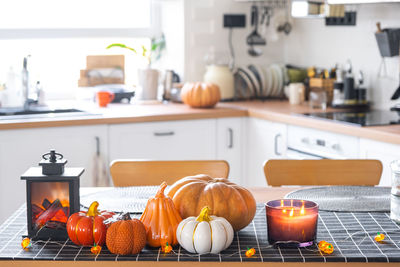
pixel 148 172
pixel 323 172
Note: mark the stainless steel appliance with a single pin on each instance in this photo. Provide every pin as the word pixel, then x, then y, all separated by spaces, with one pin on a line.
pixel 306 143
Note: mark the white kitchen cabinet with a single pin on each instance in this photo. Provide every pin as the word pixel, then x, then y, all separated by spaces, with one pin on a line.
pixel 170 140
pixel 385 152
pixel 230 145
pixel 265 140
pixel 21 149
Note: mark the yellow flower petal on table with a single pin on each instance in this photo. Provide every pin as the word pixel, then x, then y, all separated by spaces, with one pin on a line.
pixel 167 248
pixel 26 243
pixel 379 237
pixel 325 247
pixel 250 252
pixel 95 249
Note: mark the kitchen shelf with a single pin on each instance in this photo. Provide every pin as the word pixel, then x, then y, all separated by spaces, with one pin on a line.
pixel 271 3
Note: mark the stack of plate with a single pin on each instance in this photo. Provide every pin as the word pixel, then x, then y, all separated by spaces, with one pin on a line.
pixel 257 81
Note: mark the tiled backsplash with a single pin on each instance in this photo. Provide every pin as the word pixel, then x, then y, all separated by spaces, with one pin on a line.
pixel 313 43
pixel 309 43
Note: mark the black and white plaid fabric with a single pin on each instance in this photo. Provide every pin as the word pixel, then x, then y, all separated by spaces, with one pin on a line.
pixel 352 235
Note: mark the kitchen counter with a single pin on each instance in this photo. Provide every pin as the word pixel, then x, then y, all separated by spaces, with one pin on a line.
pixel 272 110
pixel 282 111
pixel 47 253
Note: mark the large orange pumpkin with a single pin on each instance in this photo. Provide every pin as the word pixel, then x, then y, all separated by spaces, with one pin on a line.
pixel 161 219
pixel 225 199
pixel 200 95
pixel 88 228
pixel 126 236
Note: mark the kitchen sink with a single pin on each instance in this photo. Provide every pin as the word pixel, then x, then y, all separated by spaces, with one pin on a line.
pixel 15 113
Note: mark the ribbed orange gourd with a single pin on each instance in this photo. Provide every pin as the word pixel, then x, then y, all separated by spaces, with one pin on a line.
pixel 200 95
pixel 225 199
pixel 161 218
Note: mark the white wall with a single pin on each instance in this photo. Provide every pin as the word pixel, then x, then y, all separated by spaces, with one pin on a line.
pixel 310 43
pixel 204 32
pixel 172 24
pixel 313 43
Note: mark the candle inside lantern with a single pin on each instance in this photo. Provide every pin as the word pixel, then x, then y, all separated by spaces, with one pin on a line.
pixel 292 221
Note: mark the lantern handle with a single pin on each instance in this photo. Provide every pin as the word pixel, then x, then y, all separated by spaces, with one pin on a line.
pixel 52 156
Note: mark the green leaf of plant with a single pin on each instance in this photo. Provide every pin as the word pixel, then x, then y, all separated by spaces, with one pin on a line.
pixel 122 46
pixel 144 50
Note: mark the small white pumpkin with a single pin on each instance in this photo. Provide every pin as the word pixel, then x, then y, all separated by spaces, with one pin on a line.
pixel 204 234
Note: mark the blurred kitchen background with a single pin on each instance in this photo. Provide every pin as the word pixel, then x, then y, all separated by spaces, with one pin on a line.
pixel 59 35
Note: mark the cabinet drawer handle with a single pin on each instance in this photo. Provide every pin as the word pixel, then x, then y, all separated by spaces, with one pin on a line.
pixel 230 132
pixel 276 145
pixel 164 133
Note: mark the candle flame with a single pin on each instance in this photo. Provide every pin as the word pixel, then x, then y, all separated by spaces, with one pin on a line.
pixel 281 202
pixel 284 211
pixel 291 212
pixel 302 209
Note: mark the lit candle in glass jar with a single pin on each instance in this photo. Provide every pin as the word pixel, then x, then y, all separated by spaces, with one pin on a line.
pixel 292 221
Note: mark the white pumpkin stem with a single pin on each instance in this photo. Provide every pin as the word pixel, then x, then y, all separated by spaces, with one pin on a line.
pixel 204 216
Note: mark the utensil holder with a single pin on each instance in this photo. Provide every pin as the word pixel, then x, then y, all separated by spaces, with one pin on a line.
pixel 388 42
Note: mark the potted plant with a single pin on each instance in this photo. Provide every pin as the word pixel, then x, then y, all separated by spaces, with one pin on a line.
pixel 147 77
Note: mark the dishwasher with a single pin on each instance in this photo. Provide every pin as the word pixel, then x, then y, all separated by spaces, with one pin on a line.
pixel 307 143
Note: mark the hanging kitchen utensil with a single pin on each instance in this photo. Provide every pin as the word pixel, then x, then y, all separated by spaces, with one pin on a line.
pixel 286 27
pixel 255 38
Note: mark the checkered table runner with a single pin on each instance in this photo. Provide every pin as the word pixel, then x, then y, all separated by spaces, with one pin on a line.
pixel 352 235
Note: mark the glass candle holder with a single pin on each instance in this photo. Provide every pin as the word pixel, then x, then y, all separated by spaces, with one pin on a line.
pixel 395 192
pixel 292 222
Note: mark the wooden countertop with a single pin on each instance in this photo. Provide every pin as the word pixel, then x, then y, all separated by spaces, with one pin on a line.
pixel 123 113
pixel 272 110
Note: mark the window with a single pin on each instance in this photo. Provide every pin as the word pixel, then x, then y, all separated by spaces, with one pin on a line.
pixel 59 34
pixel 74 14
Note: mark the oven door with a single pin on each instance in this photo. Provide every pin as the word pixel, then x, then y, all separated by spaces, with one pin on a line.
pixel 297 154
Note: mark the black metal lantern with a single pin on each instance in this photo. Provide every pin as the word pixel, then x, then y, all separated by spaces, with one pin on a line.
pixel 52 194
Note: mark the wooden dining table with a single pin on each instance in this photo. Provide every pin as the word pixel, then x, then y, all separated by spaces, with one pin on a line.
pixel 261 194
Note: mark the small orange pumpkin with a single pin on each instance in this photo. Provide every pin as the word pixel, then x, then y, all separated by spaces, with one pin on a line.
pixel 161 219
pixel 200 95
pixel 126 236
pixel 88 228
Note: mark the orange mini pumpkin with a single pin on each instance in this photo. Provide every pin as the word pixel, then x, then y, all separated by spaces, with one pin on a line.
pixel 88 228
pixel 126 236
pixel 225 199
pixel 200 95
pixel 161 219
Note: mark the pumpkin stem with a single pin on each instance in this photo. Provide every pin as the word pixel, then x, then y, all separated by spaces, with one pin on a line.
pixel 161 189
pixel 92 211
pixel 125 216
pixel 204 216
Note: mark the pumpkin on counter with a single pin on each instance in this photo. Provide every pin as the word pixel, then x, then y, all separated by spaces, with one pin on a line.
pixel 126 236
pixel 205 234
pixel 88 228
pixel 200 95
pixel 226 199
pixel 161 219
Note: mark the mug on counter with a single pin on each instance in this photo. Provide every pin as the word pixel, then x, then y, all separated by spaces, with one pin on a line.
pixel 296 93
pixel 104 97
